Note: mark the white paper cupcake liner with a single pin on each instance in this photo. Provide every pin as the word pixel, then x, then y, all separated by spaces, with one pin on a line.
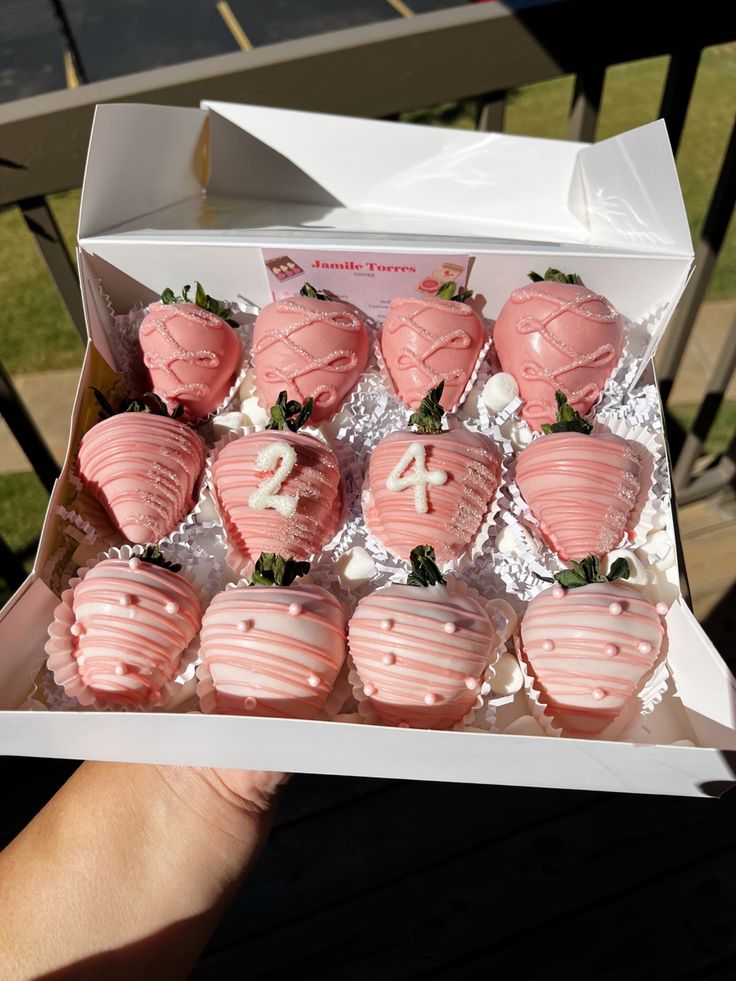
pixel 205 689
pixel 60 645
pixel 480 715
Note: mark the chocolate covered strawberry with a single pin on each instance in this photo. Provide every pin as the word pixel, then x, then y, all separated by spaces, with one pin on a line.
pixel 119 633
pixel 310 346
pixel 190 351
pixel 428 340
pixel 142 465
pixel 272 648
pixel 278 490
pixel 557 334
pixel 430 485
pixel 589 643
pixel 581 487
pixel 421 650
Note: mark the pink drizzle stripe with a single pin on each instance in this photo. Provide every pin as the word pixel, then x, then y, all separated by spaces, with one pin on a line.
pixel 581 489
pixel 315 478
pixel 282 665
pixel 143 469
pixel 415 657
pixel 456 509
pixel 585 687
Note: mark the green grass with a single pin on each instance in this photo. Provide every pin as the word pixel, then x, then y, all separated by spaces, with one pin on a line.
pixel 631 98
pixel 23 502
pixel 722 430
pixel 37 334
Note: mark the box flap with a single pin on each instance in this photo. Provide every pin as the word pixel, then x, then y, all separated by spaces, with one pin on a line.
pixel 282 170
pixel 625 190
pixel 141 158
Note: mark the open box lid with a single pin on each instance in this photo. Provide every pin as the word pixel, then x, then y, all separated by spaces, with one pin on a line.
pixel 271 175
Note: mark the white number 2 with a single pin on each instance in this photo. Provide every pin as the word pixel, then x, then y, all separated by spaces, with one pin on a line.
pixel 280 456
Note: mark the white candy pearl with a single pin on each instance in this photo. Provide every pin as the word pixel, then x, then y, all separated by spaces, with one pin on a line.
pixel 499 391
pixel 354 567
pixel 508 678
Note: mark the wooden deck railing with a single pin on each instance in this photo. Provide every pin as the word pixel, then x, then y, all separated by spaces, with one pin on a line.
pixel 479 51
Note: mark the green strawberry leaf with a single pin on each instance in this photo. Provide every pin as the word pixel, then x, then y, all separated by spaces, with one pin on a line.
pixel 589 571
pixel 619 570
pixel 155 556
pixel 291 415
pixel 448 291
pixel 274 570
pixel 555 276
pixel 313 294
pixel 424 570
pixel 568 420
pixel 427 420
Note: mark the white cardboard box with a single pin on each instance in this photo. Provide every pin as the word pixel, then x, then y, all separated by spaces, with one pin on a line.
pixel 278 179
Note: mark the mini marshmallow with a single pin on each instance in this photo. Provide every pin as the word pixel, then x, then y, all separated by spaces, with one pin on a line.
pixel 515 541
pixel 354 567
pixel 227 421
pixel 659 544
pixel 207 511
pixel 504 617
pixel 638 572
pixel 508 678
pixel 517 433
pixel 525 726
pixel 500 390
pixel 254 412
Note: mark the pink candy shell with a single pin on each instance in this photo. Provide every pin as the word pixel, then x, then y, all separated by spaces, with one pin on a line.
pixel 334 703
pixel 239 563
pixel 651 692
pixel 367 713
pixel 63 666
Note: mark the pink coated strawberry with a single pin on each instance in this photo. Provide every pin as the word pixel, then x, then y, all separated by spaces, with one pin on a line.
pixel 119 633
pixel 271 648
pixel 191 352
pixel 421 650
pixel 309 346
pixel 581 488
pixel 430 485
pixel 278 490
pixel 431 340
pixel 557 334
pixel 589 644
pixel 142 466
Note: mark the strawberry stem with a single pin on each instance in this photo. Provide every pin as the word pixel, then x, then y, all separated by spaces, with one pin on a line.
pixel 313 294
pixel 588 571
pixel 150 403
pixel 424 570
pixel 555 276
pixel 289 414
pixel 154 556
pixel 202 300
pixel 447 292
pixel 427 420
pixel 568 420
pixel 274 570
